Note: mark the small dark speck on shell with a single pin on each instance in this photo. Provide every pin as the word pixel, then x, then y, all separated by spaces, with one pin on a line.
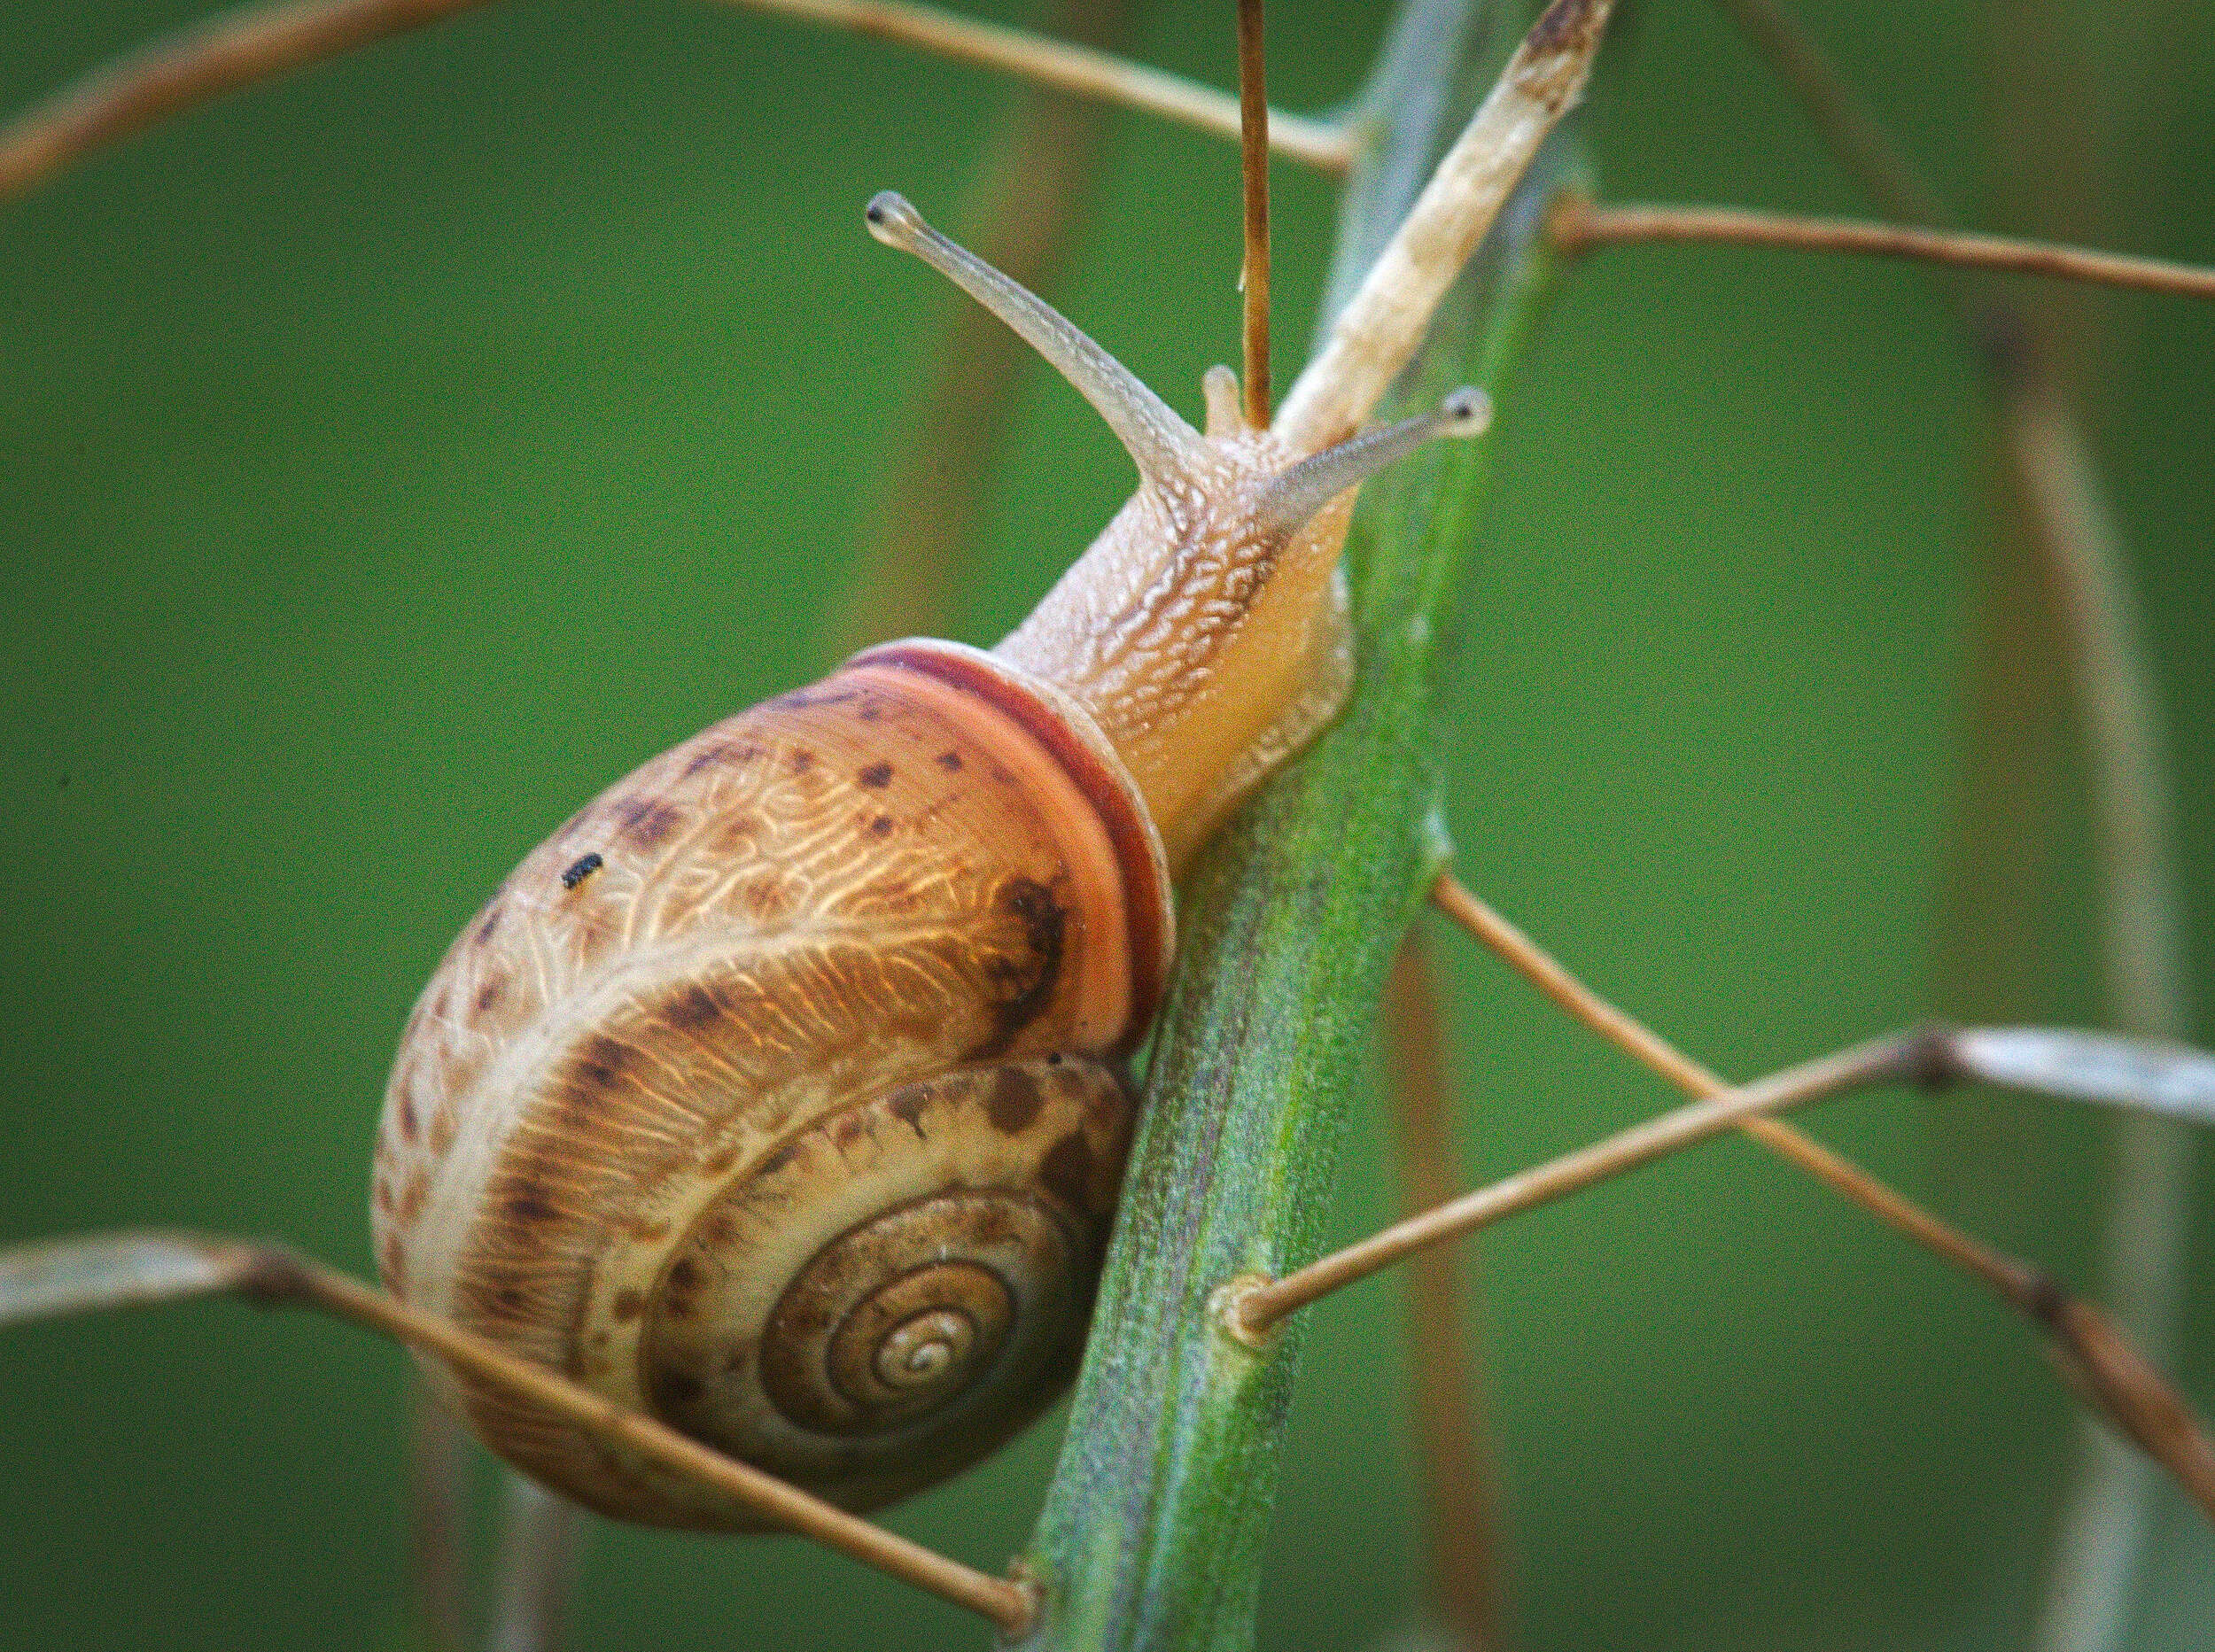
pixel 951 762
pixel 876 776
pixel 882 824
pixel 581 870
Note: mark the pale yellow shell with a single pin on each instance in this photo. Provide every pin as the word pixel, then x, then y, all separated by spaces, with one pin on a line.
pixel 796 1121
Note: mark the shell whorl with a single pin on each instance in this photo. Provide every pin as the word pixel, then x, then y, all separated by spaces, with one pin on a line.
pixel 775 1093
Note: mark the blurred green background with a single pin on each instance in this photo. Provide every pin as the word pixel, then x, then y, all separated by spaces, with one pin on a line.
pixel 391 455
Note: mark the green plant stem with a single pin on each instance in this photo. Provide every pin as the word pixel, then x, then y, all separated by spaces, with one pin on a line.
pixel 1151 1531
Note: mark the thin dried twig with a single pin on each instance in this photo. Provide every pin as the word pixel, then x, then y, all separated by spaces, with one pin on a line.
pixel 1068 69
pixel 1848 130
pixel 2102 1541
pixel 439 1461
pixel 1453 1464
pixel 196 65
pixel 1903 1057
pixel 2010 1060
pixel 1253 182
pixel 1531 961
pixel 258 42
pixel 540 1538
pixel 1376 334
pixel 117 1270
pixel 1584 225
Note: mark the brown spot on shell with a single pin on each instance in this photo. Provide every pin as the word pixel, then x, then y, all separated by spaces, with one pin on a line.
pixel 766 897
pixel 391 1265
pixel 738 831
pixel 490 994
pixel 877 776
pixel 485 930
pixel 951 762
pixel 1015 1101
pixel 676 1391
pixel 720 1163
pixel 691 1007
pixel 529 1203
pixel 406 1110
pixel 731 753
pixel 779 1159
pixel 443 1126
pixel 648 822
pixel 801 759
pixel 1024 987
pixel 1068 1170
pixel 907 1106
pixel 882 824
pixel 628 1304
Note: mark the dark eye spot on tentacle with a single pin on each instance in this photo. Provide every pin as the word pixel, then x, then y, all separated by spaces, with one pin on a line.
pixel 581 870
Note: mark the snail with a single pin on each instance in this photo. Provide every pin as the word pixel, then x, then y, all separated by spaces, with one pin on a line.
pixel 780 1093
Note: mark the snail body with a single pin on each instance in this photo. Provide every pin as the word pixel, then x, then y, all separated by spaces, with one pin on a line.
pixel 779 1093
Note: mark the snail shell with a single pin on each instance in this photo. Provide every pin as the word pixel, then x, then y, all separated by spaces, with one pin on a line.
pixel 797 1121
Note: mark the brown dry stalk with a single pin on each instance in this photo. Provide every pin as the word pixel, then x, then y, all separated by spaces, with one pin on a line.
pixel 1582 226
pixel 236 49
pixel 1901 1056
pixel 438 1464
pixel 2105 1519
pixel 1253 182
pixel 1453 1464
pixel 1862 145
pixel 193 67
pixel 2122 1385
pixel 178 1264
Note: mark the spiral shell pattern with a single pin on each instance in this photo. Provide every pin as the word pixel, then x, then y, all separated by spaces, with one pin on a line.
pixel 777 1093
